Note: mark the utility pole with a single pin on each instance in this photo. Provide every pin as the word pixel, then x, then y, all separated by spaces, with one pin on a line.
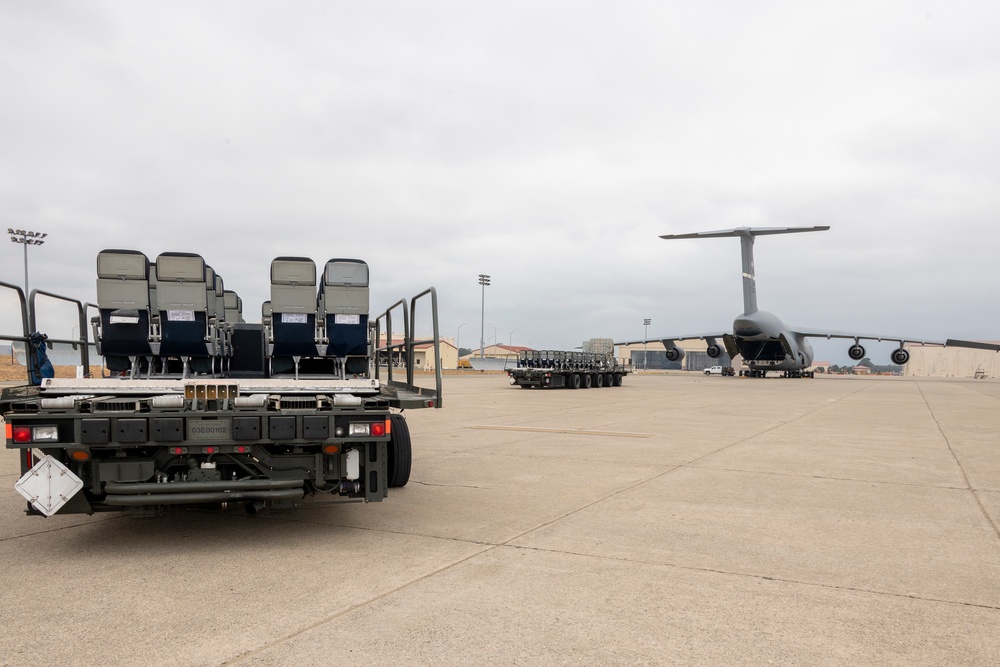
pixel 645 323
pixel 484 280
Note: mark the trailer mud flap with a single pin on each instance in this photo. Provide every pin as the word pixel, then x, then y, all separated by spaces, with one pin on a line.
pixel 49 485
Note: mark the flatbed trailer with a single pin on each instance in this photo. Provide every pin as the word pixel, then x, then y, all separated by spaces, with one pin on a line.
pixel 239 434
pixel 571 370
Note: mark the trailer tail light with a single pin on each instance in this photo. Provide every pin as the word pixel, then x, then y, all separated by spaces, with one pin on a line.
pixel 372 429
pixel 177 451
pixel 79 454
pixel 24 434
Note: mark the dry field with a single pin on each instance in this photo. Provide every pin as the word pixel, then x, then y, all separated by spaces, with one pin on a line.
pixel 12 372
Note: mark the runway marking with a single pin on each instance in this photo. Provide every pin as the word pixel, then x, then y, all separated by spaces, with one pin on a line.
pixel 573 431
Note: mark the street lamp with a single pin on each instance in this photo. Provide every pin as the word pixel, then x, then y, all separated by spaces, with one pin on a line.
pixel 484 280
pixel 494 334
pixel 458 337
pixel 510 342
pixel 645 323
pixel 26 238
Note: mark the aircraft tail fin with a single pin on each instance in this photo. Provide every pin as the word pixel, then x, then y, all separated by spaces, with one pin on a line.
pixel 747 235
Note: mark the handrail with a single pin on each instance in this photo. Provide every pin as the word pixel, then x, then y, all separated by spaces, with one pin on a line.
pixel 29 358
pixel 435 341
pixel 83 341
pixel 390 347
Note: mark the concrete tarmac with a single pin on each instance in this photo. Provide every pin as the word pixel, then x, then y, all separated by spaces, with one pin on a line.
pixel 675 520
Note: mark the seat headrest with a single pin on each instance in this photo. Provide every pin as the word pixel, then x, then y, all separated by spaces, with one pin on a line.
pixel 122 264
pixel 346 272
pixel 180 267
pixel 293 271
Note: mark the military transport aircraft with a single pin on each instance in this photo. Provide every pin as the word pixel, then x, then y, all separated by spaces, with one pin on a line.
pixel 764 341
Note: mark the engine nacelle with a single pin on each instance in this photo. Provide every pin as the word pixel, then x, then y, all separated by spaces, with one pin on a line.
pixel 674 354
pixel 714 351
pixel 899 357
pixel 857 352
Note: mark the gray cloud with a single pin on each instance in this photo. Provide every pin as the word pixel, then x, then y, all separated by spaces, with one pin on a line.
pixel 547 144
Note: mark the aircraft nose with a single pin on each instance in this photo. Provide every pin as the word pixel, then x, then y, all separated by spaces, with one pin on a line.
pixel 745 327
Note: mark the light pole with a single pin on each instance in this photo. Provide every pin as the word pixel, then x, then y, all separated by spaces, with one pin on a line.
pixel 458 337
pixel 510 341
pixel 484 280
pixel 645 323
pixel 26 238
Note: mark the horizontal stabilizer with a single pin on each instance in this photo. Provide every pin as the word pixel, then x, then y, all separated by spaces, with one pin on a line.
pixel 746 231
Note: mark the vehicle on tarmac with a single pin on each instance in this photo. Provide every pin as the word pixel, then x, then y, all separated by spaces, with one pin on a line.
pixel 198 407
pixel 720 370
pixel 572 370
pixel 765 342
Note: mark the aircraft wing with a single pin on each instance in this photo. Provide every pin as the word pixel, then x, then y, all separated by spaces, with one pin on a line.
pixel 703 336
pixel 950 342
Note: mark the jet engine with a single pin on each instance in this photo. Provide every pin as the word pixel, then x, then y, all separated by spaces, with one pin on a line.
pixel 714 350
pixel 674 353
pixel 857 352
pixel 900 356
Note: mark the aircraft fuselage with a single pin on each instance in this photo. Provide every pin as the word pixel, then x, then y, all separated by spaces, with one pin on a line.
pixel 766 343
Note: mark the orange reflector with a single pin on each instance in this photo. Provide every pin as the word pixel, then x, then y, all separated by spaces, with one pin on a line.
pixel 10 431
pixel 388 426
pixel 331 449
pixel 79 455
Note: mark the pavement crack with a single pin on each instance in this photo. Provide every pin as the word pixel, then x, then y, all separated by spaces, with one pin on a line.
pixel 879 482
pixel 761 577
pixel 961 468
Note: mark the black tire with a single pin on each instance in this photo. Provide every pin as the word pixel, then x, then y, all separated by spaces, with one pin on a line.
pixel 587 380
pixel 609 380
pixel 573 381
pixel 599 380
pixel 400 454
pixel 618 379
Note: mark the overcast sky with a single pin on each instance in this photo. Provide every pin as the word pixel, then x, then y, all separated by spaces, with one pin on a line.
pixel 546 144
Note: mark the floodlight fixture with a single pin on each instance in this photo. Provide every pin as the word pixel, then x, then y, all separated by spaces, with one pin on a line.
pixel 26 238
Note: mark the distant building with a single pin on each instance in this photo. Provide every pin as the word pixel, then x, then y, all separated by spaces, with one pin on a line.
pixel 951 362
pixel 423 355
pixel 653 356
pixel 509 353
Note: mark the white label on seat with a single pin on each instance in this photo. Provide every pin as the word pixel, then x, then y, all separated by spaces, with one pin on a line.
pixel 118 319
pixel 294 318
pixel 346 319
pixel 180 316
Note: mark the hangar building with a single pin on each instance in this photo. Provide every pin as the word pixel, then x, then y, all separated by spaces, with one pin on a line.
pixel 951 362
